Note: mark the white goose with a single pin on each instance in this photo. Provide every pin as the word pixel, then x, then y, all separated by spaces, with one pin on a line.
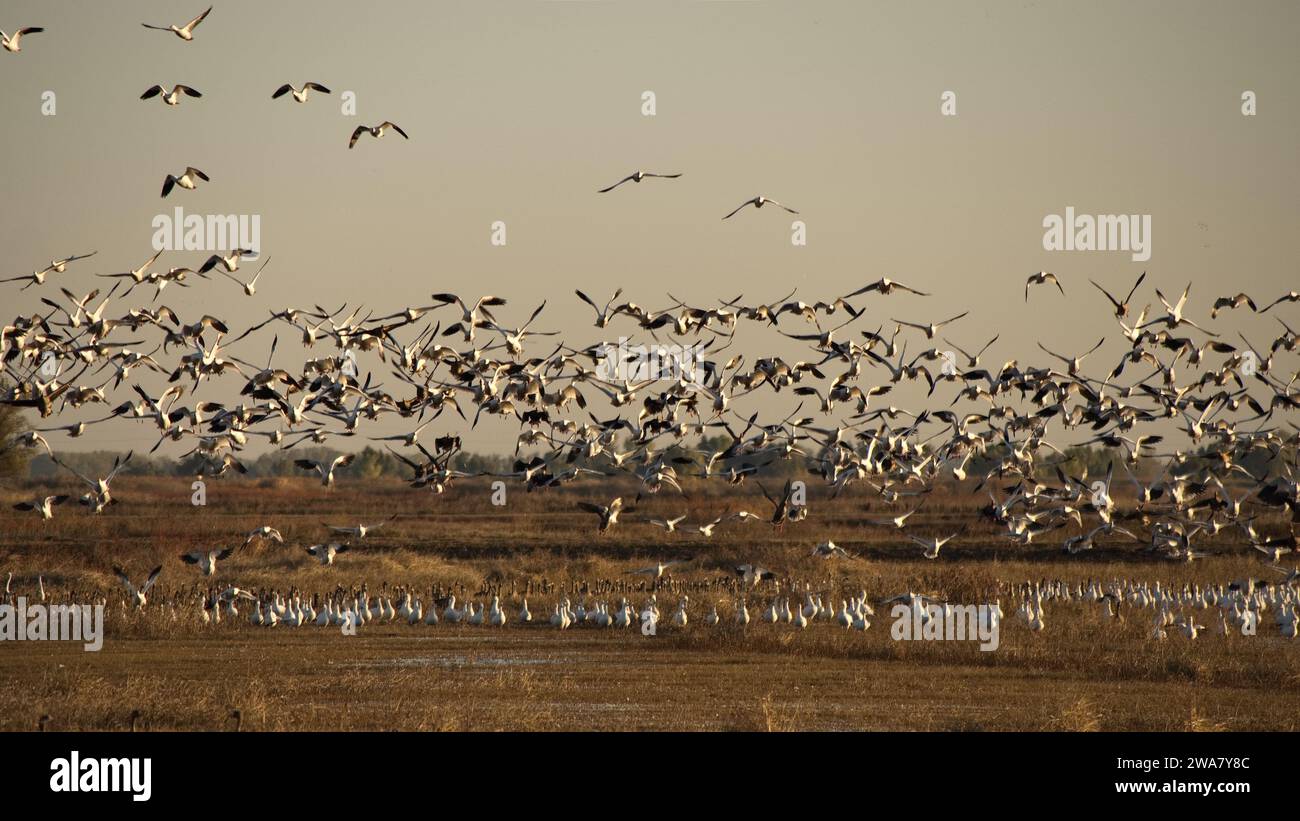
pixel 376 131
pixel 759 202
pixel 137 595
pixel 172 97
pixel 11 44
pixel 496 616
pixel 264 532
pixel 299 95
pixel 637 176
pixel 43 506
pixel 326 470
pixel 679 618
pixel 207 562
pixel 325 553
pixel 185 32
pixel 361 530
pixel 188 180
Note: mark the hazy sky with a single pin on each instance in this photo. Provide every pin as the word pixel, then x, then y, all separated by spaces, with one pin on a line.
pixel 519 111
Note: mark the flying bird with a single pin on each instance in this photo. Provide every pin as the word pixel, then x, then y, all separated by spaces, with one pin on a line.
pixel 377 131
pixel 43 506
pixel 1121 308
pixel 207 562
pixel 759 202
pixel 11 43
pixel 188 180
pixel 325 553
pixel 172 97
pixel 185 32
pixel 264 532
pixel 299 95
pixel 137 595
pixel 608 513
pixel 1043 277
pixel 637 177
pixel 326 469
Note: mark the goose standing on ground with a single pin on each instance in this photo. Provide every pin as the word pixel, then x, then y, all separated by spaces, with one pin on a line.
pixel 637 177
pixel 188 180
pixel 172 97
pixel 185 32
pixel 207 562
pixel 759 202
pixel 300 96
pixel 376 131
pixel 137 595
pixel 11 43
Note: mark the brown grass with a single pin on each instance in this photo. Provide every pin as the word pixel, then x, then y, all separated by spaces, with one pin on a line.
pixel 1083 673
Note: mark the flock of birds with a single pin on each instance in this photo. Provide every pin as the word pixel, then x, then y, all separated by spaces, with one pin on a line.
pixel 1231 401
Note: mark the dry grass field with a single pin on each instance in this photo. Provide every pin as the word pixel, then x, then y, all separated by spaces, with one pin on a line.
pixel 1084 671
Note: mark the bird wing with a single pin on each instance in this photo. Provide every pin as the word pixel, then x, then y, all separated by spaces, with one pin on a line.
pixel 738 207
pixel 124 579
pixel 153 577
pixel 193 24
pixel 615 185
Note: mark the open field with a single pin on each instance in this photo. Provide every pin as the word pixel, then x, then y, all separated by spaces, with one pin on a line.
pixel 1083 671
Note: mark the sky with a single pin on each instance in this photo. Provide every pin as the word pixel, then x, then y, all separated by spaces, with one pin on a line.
pixel 519 111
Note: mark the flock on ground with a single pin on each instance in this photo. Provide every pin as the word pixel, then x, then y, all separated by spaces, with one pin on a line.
pixel 453 361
